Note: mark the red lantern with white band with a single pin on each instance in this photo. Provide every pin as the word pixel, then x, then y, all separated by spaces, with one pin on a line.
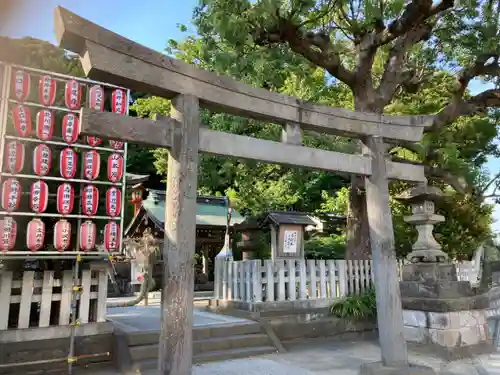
pixel 15 156
pixel 8 228
pixel 119 101
pixel 113 201
pixel 42 159
pixel 11 194
pixel 87 235
pixel 47 90
pixel 70 128
pixel 21 116
pixel 39 196
pixel 21 85
pixel 111 236
pixel 90 199
pixel 72 94
pixel 116 145
pixel 91 164
pixel 115 167
pixel 62 235
pixel 67 163
pixel 44 124
pixel 65 198
pixel 93 141
pixel 96 98
pixel 35 234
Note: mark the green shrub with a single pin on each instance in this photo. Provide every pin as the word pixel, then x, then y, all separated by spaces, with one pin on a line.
pixel 328 247
pixel 357 308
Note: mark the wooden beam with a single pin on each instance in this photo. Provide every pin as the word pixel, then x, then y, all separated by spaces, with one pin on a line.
pixel 159 134
pixel 142 69
pixel 176 329
pixel 389 308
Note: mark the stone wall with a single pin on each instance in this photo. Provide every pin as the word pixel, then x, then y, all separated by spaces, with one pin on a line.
pixel 449 330
pixel 19 348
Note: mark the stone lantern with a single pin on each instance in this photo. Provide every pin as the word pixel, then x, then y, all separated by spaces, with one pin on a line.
pixel 438 309
pixel 249 229
pixel 426 249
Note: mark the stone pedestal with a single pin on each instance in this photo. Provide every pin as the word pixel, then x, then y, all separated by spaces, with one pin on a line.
pixel 446 315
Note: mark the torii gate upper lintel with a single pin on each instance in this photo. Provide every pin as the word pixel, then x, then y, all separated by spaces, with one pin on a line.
pixel 111 58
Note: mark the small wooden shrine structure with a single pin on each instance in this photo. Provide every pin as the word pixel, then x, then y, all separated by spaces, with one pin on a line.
pixel 211 222
pixel 279 225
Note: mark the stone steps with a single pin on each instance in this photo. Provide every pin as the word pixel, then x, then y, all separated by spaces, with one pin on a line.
pixel 139 350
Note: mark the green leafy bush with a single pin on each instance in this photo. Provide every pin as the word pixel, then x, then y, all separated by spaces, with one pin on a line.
pixel 357 308
pixel 328 247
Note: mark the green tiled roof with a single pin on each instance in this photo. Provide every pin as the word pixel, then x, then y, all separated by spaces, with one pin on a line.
pixel 210 210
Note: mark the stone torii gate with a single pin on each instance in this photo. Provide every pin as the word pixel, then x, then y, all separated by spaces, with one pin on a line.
pixel 111 58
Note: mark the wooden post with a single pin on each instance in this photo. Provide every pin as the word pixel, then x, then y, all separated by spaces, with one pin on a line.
pixel 176 330
pixel 389 309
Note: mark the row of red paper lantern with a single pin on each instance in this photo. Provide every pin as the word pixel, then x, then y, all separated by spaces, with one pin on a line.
pixel 70 130
pixel 39 196
pixel 35 235
pixel 21 83
pixel 42 159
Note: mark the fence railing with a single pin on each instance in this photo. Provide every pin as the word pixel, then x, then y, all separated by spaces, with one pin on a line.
pixel 282 280
pixel 43 299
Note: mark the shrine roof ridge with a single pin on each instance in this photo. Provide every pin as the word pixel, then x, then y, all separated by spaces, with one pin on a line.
pixel 112 58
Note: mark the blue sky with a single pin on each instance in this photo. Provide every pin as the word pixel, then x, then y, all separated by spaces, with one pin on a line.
pixel 149 22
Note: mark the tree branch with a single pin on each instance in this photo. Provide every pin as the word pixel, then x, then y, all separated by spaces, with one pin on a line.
pixel 458 107
pixel 415 14
pixel 445 176
pixel 394 73
pixel 315 47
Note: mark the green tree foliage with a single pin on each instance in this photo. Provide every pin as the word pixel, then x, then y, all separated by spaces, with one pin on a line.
pixel 381 57
pixel 393 56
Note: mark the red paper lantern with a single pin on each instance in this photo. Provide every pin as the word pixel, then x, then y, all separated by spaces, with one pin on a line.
pixel 72 94
pixel 113 201
pixel 8 228
pixel 42 159
pixel 39 196
pixel 21 116
pixel 21 84
pixel 119 101
pixel 91 164
pixel 112 236
pixel 62 235
pixel 35 234
pixel 11 194
pixel 70 129
pixel 90 199
pixel 14 154
pixel 67 163
pixel 65 199
pixel 47 90
pixel 116 145
pixel 44 124
pixel 93 141
pixel 115 167
pixel 96 98
pixel 87 235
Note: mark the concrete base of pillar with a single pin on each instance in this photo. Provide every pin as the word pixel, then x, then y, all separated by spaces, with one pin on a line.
pixel 378 368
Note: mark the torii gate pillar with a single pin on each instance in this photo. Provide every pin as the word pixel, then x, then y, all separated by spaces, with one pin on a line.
pixel 175 346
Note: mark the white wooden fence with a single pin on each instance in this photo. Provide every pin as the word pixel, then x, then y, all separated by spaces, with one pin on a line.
pixel 39 299
pixel 268 281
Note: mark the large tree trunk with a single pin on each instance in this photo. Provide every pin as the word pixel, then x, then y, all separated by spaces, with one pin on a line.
pixel 357 229
pixel 358 234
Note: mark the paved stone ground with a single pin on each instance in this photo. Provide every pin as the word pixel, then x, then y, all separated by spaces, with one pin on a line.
pixel 332 358
pixel 145 318
pixel 318 357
